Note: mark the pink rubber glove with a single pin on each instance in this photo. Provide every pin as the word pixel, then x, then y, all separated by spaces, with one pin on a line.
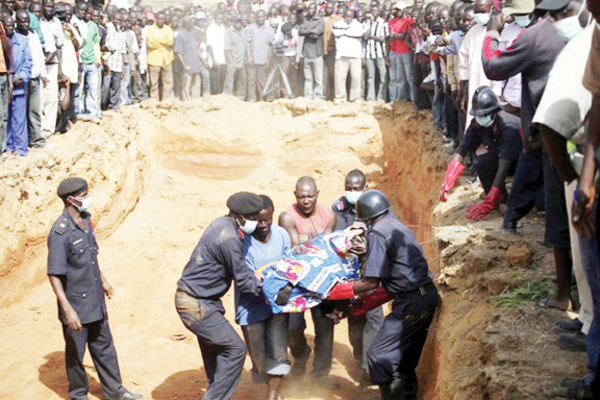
pixel 373 300
pixel 491 201
pixel 342 291
pixel 455 168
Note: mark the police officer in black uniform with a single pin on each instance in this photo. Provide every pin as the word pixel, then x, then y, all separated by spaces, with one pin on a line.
pixel 217 260
pixel 493 137
pixel 361 328
pixel 80 288
pixel 396 266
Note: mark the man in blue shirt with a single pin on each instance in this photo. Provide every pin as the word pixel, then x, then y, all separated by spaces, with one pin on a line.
pixel 264 332
pixel 16 132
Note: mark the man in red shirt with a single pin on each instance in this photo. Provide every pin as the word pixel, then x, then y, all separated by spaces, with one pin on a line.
pixel 402 87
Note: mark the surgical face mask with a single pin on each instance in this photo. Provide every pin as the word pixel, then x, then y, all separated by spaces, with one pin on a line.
pixel 86 203
pixel 569 27
pixel 249 226
pixel 352 196
pixel 485 120
pixel 482 18
pixel 523 20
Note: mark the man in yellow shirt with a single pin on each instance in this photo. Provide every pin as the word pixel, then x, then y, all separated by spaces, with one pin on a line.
pixel 160 57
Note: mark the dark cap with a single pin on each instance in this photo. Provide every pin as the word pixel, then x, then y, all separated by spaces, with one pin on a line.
pixel 552 5
pixel 71 186
pixel 245 203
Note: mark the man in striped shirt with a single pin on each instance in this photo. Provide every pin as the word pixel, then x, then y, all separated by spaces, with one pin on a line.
pixel 375 53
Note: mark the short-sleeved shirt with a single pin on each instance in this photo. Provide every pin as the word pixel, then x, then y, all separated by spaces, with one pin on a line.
pixel 502 139
pixel 591 79
pixel 260 39
pixel 344 211
pixel 252 309
pixel 186 45
pixel 217 260
pixel 398 26
pixel 215 38
pixel 88 52
pixel 235 42
pixel 73 256
pixel 395 257
pixel 53 37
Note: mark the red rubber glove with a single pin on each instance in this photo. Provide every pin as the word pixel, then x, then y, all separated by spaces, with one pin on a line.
pixel 373 300
pixel 342 291
pixel 455 168
pixel 491 201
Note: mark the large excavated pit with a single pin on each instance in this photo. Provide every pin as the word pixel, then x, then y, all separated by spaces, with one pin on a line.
pixel 161 173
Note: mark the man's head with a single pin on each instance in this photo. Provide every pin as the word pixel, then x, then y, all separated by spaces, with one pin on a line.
pixel 371 206
pixel 375 12
pixel 354 185
pixel 244 209
pixel 36 9
pixel 468 14
pixel 8 5
pixel 483 9
pixel 431 11
pixel 218 18
pixel 74 193
pixel 161 19
pixel 293 19
pixel 80 9
pixel 419 4
pixel 306 195
pixel 569 16
pixel 398 9
pixel 261 17
pixel 68 13
pixel 443 15
pixel 48 9
pixel 265 218
pixel 348 16
pixel 311 10
pixel 97 16
pixel 485 106
pixel 9 26
pixel 22 22
pixel 521 11
pixel 19 5
pixel 329 8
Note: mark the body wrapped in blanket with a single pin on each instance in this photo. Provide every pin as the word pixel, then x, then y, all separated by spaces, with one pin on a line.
pixel 308 272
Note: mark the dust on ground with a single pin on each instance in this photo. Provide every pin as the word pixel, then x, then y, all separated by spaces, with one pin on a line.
pixel 161 173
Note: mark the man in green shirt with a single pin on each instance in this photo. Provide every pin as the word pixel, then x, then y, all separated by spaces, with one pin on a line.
pixel 90 62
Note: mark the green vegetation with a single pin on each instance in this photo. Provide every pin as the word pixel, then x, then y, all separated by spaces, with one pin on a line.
pixel 527 291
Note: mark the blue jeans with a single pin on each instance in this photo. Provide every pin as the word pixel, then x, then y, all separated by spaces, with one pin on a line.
pixel 90 90
pixel 589 261
pixel 402 85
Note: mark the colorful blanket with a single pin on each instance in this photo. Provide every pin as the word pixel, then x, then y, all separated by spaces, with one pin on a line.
pixel 311 270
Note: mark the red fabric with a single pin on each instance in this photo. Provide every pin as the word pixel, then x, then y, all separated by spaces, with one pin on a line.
pixel 373 300
pixel 434 56
pixel 491 201
pixel 455 168
pixel 342 291
pixel 398 26
pixel 487 49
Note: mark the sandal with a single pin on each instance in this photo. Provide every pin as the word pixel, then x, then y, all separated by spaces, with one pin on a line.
pixel 553 302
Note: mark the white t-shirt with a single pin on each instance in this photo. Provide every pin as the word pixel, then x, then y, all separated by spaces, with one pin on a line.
pixel 215 38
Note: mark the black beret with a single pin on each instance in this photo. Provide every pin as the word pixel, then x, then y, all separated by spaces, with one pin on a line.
pixel 71 186
pixel 245 203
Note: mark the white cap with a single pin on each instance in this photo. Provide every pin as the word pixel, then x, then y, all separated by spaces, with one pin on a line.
pixel 400 5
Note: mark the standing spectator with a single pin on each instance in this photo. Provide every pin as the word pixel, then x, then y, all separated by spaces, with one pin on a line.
pixel 70 66
pixel 286 40
pixel 53 43
pixel 329 58
pixel 200 33
pixel 235 54
pixel 117 46
pixel 215 40
pixel 129 59
pixel 160 58
pixel 16 133
pixel 38 78
pixel 259 36
pixel 187 51
pixel 312 52
pixel 348 34
pixel 402 87
pixel 140 79
pixel 90 66
pixel 375 54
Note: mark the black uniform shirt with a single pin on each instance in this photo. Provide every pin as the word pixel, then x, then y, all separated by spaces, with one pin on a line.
pixel 395 257
pixel 217 259
pixel 344 211
pixel 73 256
pixel 502 139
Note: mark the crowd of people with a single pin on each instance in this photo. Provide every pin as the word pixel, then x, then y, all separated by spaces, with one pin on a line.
pixel 513 87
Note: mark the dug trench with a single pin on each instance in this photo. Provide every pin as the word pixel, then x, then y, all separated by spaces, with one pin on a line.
pixel 161 173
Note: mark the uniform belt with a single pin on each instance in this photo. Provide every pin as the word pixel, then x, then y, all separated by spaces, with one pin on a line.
pixel 421 291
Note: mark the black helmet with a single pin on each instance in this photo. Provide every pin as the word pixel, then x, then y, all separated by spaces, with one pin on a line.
pixel 371 204
pixel 484 101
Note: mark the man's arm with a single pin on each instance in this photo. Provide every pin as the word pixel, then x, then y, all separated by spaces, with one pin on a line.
pixel 233 254
pixel 556 146
pixel 69 312
pixel 500 65
pixel 287 222
pixel 332 223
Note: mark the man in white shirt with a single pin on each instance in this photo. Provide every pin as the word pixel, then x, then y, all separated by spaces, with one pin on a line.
pixel 53 41
pixel 215 39
pixel 34 93
pixel 348 34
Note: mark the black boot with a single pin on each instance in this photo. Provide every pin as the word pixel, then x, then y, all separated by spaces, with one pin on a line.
pixel 393 390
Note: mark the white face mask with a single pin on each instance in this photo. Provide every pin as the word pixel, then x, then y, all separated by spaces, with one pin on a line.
pixel 569 27
pixel 352 196
pixel 482 18
pixel 523 20
pixel 86 203
pixel 249 226
pixel 485 120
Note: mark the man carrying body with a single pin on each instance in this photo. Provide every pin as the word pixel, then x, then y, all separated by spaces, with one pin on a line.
pixel 363 328
pixel 80 288
pixel 217 260
pixel 303 221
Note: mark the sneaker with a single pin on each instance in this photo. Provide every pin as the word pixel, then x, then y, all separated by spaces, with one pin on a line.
pixel 568 325
pixel 130 396
pixel 576 342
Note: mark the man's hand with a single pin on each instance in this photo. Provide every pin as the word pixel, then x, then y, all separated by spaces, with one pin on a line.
pixel 259 275
pixel 187 67
pixel 72 319
pixel 107 289
pixel 583 216
pixel 18 81
pixel 496 23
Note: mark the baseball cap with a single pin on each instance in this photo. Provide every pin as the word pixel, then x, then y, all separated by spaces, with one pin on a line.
pixel 519 7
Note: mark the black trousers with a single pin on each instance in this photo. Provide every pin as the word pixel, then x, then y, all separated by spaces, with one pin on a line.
pixel 99 340
pixel 527 187
pixel 111 91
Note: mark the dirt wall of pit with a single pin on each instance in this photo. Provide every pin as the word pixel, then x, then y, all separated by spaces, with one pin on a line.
pixel 112 164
